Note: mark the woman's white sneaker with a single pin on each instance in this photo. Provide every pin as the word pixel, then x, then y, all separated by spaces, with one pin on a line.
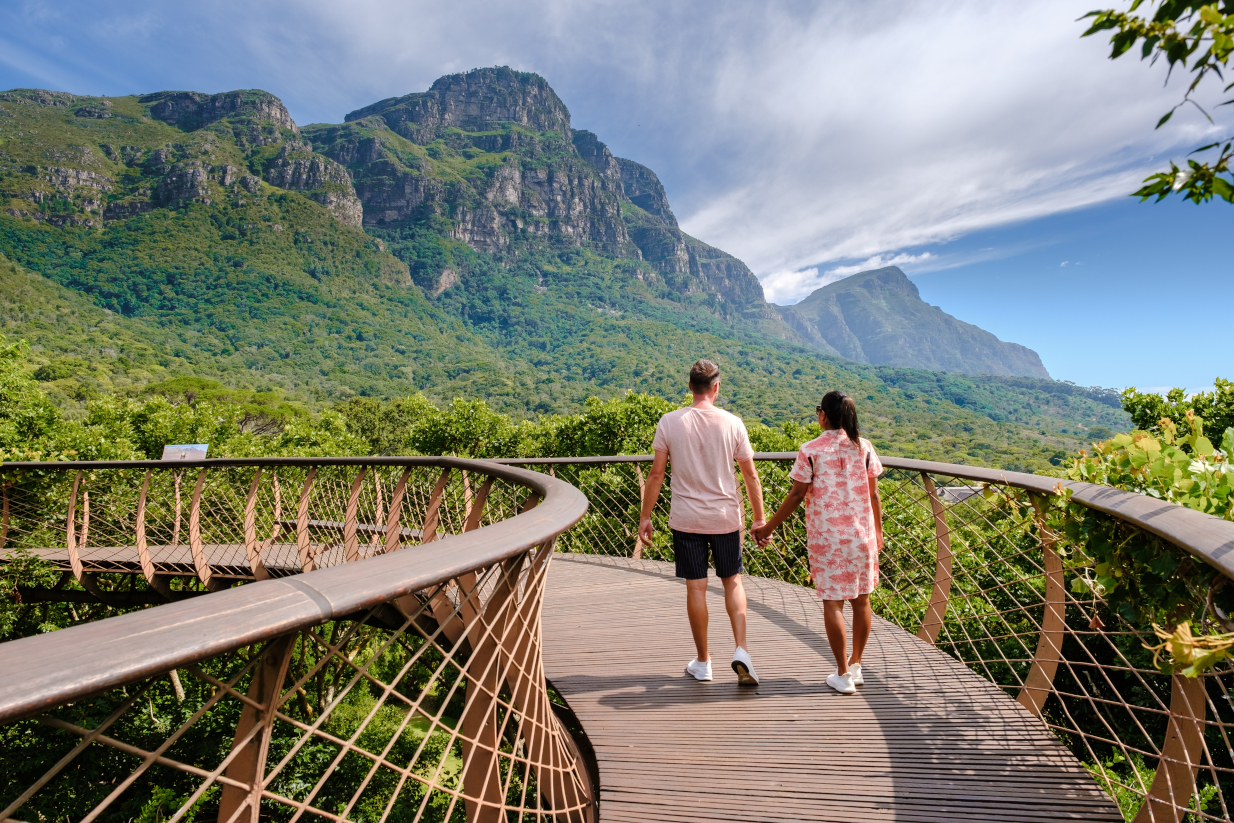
pixel 843 683
pixel 699 671
pixel 855 670
pixel 744 668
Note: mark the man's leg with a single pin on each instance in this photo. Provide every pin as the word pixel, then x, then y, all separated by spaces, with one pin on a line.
pixel 833 621
pixel 735 603
pixel 696 610
pixel 863 618
pixel 691 554
pixel 727 551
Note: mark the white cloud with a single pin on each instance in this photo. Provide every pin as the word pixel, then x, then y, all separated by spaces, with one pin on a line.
pixel 788 287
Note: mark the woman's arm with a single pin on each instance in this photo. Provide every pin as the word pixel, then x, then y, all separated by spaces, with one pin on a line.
pixel 790 504
pixel 877 503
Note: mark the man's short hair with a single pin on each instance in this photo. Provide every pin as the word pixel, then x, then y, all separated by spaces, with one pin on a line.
pixel 703 375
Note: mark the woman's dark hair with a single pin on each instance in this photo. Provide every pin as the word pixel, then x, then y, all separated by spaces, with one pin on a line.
pixel 841 412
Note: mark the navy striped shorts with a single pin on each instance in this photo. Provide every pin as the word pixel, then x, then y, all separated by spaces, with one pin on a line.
pixel 691 551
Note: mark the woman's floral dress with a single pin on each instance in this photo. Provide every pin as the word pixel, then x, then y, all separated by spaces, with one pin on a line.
pixel 840 532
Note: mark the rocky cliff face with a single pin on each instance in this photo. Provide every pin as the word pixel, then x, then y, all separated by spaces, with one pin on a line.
pixel 879 317
pixel 475 101
pixel 207 158
pixel 488 158
pixel 191 110
pixel 297 168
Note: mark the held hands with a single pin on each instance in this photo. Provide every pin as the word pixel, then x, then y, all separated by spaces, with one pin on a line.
pixel 761 533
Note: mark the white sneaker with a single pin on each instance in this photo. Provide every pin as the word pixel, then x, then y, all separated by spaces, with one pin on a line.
pixel 746 675
pixel 699 671
pixel 843 683
pixel 855 670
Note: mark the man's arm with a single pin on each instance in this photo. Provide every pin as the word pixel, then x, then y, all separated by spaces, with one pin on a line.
pixel 754 490
pixel 651 493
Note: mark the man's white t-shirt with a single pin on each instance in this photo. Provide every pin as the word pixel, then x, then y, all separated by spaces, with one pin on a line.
pixel 702 444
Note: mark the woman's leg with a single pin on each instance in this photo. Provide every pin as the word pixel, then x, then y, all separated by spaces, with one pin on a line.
pixel 863 617
pixel 833 621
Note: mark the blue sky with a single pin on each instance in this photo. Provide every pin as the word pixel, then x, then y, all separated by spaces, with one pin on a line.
pixel 978 145
pixel 1119 294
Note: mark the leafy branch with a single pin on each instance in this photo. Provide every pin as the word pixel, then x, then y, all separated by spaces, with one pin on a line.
pixel 1198 37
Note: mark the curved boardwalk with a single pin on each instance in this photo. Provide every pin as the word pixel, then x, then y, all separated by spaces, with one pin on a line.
pixel 924 740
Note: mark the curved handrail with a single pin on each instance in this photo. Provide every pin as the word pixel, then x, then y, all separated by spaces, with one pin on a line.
pixel 48 670
pixel 1209 538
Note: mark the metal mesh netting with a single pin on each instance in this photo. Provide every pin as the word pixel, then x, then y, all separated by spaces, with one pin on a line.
pixel 430 706
pixel 231 523
pixel 973 569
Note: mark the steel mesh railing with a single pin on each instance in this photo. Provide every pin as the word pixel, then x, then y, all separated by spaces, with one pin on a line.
pixel 393 680
pixel 973 566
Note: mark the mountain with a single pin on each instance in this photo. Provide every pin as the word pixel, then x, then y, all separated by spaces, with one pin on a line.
pixel 464 241
pixel 489 159
pixel 879 317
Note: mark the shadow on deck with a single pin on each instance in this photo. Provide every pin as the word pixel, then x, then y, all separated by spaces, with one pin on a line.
pixel 924 740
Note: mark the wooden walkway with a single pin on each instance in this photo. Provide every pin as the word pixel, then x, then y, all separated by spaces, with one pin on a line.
pixel 924 740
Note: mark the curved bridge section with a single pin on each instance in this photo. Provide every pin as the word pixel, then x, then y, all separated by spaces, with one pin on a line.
pixel 391 679
pixel 925 739
pixel 386 659
pixel 989 569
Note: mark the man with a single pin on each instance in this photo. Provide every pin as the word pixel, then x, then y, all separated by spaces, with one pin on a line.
pixel 706 515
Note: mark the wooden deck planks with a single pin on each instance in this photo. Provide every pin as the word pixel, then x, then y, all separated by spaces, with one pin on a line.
pixel 924 740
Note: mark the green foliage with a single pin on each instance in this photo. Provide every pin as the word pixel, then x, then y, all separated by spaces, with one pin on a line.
pixel 27 417
pixel 289 311
pixel 1199 37
pixel 1142 577
pixel 1215 408
pixel 1127 780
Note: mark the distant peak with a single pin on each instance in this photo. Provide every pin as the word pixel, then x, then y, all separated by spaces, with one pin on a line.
pixel 475 100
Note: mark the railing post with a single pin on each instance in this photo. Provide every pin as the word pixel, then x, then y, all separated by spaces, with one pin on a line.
pixel 428 532
pixel 70 537
pixel 1040 680
pixel 351 544
pixel 157 583
pixel 375 540
pixel 486 631
pixel 199 553
pixel 940 594
pixel 249 765
pixel 1174 782
pixel 4 513
pixel 394 528
pixel 251 545
pixel 307 562
pixel 477 506
pixel 638 538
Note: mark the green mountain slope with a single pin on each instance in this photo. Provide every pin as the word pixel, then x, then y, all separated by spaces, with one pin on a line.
pixel 188 234
pixel 879 317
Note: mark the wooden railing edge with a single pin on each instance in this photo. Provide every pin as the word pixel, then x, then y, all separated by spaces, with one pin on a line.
pixel 42 671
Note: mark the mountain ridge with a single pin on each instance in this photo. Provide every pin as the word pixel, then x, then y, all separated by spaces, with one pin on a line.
pixel 878 317
pixel 529 267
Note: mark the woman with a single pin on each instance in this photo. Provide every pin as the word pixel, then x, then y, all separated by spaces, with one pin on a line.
pixel 836 474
